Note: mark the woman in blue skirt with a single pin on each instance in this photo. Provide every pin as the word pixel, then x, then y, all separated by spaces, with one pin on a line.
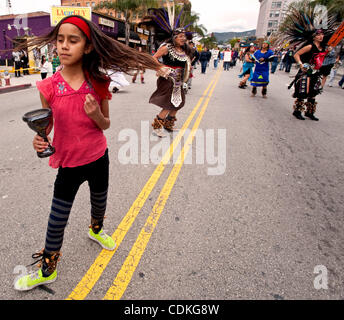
pixel 261 73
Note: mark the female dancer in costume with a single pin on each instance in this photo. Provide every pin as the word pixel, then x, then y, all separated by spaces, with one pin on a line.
pixel 175 54
pixel 248 66
pixel 260 76
pixel 308 80
pixel 300 30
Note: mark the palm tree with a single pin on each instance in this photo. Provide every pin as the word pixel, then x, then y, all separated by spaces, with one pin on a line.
pixel 129 8
pixel 191 19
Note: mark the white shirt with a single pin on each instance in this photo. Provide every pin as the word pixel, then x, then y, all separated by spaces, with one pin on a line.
pixel 16 55
pixel 215 53
pixel 45 67
pixel 227 57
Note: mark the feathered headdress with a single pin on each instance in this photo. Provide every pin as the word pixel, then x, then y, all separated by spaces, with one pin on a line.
pixel 167 21
pixel 302 24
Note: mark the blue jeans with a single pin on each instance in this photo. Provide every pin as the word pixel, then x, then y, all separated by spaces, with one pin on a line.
pixel 341 82
pixel 204 65
pixel 216 61
pixel 274 66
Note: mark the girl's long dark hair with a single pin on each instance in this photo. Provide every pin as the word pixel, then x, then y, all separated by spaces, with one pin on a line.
pixel 107 53
pixel 248 49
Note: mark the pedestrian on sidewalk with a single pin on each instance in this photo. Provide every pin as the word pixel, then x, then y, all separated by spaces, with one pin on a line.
pixel 176 55
pixel 260 76
pixel 25 62
pixel 44 67
pixel 56 61
pixel 37 57
pixel 17 62
pixel 79 98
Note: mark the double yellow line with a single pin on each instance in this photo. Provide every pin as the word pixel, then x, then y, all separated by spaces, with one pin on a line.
pixel 124 276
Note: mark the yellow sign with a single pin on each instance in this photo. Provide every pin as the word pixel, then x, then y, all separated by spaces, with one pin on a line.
pixel 286 45
pixel 58 13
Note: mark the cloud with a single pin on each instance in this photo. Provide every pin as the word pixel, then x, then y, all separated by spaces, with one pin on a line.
pixel 224 15
pixel 238 25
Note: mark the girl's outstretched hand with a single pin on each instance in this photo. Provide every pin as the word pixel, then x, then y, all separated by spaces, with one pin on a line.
pixel 91 107
pixel 39 144
pixel 163 72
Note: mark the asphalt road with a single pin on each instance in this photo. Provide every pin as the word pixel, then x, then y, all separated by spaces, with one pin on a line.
pixel 257 229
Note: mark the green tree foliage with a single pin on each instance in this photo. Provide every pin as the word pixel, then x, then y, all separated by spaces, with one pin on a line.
pixel 191 18
pixel 209 42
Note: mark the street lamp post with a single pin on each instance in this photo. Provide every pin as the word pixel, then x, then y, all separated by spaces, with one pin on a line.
pixel 5 44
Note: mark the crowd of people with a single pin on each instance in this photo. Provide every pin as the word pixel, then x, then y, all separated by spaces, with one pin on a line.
pixel 42 62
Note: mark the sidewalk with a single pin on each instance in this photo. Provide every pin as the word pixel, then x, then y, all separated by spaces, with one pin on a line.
pixel 21 83
pixel 24 82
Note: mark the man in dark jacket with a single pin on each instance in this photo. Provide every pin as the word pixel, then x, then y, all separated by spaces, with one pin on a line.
pixel 289 60
pixel 204 59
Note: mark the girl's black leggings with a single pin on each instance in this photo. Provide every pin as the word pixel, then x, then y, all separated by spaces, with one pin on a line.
pixel 67 183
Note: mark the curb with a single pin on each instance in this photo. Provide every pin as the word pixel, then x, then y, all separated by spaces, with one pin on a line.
pixel 15 88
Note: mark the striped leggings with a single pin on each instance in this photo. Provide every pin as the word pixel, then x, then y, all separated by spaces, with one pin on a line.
pixel 67 183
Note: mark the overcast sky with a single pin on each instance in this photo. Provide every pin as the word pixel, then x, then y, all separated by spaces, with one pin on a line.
pixel 215 15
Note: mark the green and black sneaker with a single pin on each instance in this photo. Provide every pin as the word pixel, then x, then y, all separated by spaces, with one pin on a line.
pixel 45 275
pixel 103 239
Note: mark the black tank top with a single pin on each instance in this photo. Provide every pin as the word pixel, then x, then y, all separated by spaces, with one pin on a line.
pixel 307 57
pixel 174 58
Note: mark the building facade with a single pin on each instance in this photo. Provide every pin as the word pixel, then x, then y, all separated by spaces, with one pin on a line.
pixel 271 15
pixel 137 17
pixel 38 23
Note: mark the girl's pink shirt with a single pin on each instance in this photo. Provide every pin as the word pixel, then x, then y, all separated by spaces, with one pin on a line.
pixel 77 138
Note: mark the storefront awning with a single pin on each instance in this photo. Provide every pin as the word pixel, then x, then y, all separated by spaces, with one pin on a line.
pixel 134 38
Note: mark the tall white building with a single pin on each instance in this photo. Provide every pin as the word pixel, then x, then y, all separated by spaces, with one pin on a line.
pixel 271 14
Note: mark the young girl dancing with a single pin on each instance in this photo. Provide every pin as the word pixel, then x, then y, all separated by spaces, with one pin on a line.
pixel 248 66
pixel 78 96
